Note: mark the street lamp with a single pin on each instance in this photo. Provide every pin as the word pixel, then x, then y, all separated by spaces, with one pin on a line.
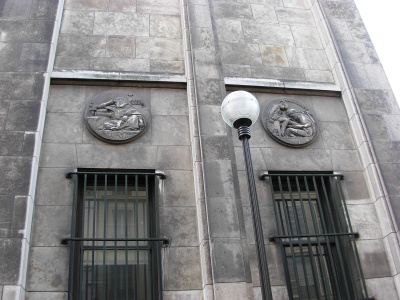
pixel 240 109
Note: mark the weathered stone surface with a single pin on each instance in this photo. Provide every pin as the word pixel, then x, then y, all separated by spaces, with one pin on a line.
pixel 58 155
pixel 216 147
pixel 61 127
pixel 174 158
pixel 269 227
pixel 187 295
pixel 200 16
pixel 202 38
pixel 219 179
pixel 82 45
pixel 377 101
pixel 44 9
pixel 11 142
pixel 26 30
pixel 268 34
pixel 382 288
pixel 209 91
pixel 232 10
pixel 10 253
pixel 179 189
pixel 390 172
pixel 120 46
pixel 264 13
pixel 389 150
pixel 211 122
pixel 182 268
pixel 223 219
pixel 168 102
pixel 167 66
pixel 9 55
pixel 16 172
pixel 295 16
pixel 231 290
pixel 346 160
pixel 16 86
pixel 165 26
pixel 277 73
pixel 319 76
pixel 373 258
pixel 303 4
pixel 118 64
pixel 15 9
pixel 19 217
pixel 354 186
pixel 354 52
pixel 46 296
pixel 69 99
pixel 377 127
pixel 169 7
pixel 51 224
pixel 273 56
pixel 357 75
pixel 77 22
pixel 230 31
pixel 7 205
pixel 180 225
pixel 116 23
pixel 364 220
pixel 306 37
pixel 71 63
pixel 159 48
pixel 228 264
pixel 241 71
pixel 377 77
pixel 86 4
pixel 329 109
pixel 170 130
pixel 48 269
pixel 122 5
pixel 336 135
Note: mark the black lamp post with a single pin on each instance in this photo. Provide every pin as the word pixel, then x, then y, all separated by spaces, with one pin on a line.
pixel 240 109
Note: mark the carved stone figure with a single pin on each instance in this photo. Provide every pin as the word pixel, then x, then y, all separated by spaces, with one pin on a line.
pixel 289 122
pixel 115 117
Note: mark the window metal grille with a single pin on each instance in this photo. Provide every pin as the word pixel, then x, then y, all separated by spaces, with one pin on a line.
pixel 115 244
pixel 316 237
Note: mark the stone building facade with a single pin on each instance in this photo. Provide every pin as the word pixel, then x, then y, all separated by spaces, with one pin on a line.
pixel 178 59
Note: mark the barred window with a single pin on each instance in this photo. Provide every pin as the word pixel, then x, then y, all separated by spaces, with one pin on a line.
pixel 315 235
pixel 114 244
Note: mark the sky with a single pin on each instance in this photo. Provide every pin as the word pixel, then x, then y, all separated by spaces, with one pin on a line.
pixel 383 24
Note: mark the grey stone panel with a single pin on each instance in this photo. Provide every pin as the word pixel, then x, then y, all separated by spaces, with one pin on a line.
pixel 346 160
pixel 16 172
pixel 48 269
pixel 86 5
pixel 228 264
pixel 354 186
pixel 199 16
pixel 358 75
pixel 44 9
pixel 297 159
pixel 9 55
pixel 377 77
pixel 223 219
pixel 170 130
pixel 159 48
pixel 277 73
pixel 10 253
pixel 268 224
pixel 187 295
pixel 115 23
pixel 377 101
pixel 158 6
pixel 358 30
pixel 377 127
pixel 46 296
pixel 35 51
pixel 273 56
pixel 4 105
pixel 319 76
pixel 226 10
pixel 165 26
pixel 37 86
pixel 329 109
pixel 16 86
pixel 353 52
pixel 116 64
pixel 180 225
pixel 294 16
pixel 32 65
pixel 248 54
pixel 364 220
pixel 267 34
pixel 81 45
pixel 263 13
pixel 389 150
pixel 18 217
pixel 202 38
pixel 23 115
pixel 111 156
pixel 391 173
pixel 218 179
pixel 53 188
pixel 6 212
pixel 211 122
pixel 372 53
pixel 168 102
pixel 373 258
pixel 336 135
pixel 167 66
pixel 71 63
pixel 77 22
pixel 29 31
pixel 11 142
pixel 395 203
pixel 230 31
pixel 341 30
pixel 58 155
pixel 216 147
pixel 120 46
pixel 236 71
pixel 341 10
pixel 65 99
pixel 182 268
pixel 209 91
pixel 122 5
pixel 306 37
pixel 302 4
pixel 63 127
pixel 15 9
pixel 173 158
pixel 256 156
pixel 178 189
pixel 3 119
pixel 51 224
pixel 263 190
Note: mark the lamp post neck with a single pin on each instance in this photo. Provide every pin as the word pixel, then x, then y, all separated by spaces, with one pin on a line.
pixel 244 136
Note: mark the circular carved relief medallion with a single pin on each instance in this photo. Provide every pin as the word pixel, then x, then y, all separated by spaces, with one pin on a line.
pixel 289 122
pixel 117 116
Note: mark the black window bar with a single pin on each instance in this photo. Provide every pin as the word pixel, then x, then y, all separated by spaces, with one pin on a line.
pixel 115 244
pixel 318 244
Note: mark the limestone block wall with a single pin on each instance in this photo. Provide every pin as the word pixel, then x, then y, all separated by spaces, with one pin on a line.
pixel 109 35
pixel 68 145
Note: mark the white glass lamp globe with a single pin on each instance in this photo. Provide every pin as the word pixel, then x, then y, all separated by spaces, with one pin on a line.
pixel 240 105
